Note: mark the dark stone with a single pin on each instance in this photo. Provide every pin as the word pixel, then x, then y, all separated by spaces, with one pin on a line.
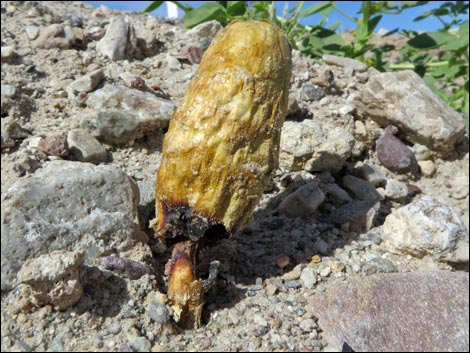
pixel 393 154
pixel 312 93
pixel 125 267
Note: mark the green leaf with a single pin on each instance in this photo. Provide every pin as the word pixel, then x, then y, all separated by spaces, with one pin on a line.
pixel 207 12
pixel 406 4
pixel 454 44
pixel 463 31
pixel 335 26
pixel 315 9
pixel 185 8
pixel 236 8
pixel 430 40
pixel 373 22
pixel 153 5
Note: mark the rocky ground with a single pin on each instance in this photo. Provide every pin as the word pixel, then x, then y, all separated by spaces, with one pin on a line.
pixel 360 241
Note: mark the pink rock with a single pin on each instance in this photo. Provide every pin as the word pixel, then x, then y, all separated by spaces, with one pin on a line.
pixel 397 312
pixel 55 145
pixel 191 53
pixel 393 154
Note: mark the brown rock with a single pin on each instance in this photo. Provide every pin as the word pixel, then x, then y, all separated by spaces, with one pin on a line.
pixel 399 312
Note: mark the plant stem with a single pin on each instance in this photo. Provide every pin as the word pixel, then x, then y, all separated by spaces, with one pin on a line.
pixel 413 66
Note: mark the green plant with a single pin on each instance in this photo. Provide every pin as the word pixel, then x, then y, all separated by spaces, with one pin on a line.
pixel 440 57
pixel 226 11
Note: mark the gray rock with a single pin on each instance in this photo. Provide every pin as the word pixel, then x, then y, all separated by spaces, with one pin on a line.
pixel 54 278
pixel 303 202
pixel 85 147
pixel 311 92
pixel 136 340
pixel 158 312
pixel 118 114
pixel 56 36
pixel 314 146
pixel 119 42
pixel 293 284
pixel 345 62
pixel 308 277
pixel 206 29
pixel 427 227
pixel 321 246
pixel 377 265
pixel 360 215
pixel 147 201
pixel 359 188
pixel 11 131
pixel 371 173
pixel 403 99
pixel 67 206
pixel 331 153
pixel 336 194
pixel 399 312
pixel 88 82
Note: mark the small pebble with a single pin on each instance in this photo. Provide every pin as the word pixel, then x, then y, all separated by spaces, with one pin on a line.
pixel 308 278
pixel 158 312
pixel 283 261
pixel 325 272
pixel 308 325
pixel 428 168
pixel 259 320
pixel 394 154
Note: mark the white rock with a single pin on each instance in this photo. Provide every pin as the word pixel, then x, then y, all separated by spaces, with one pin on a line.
pixel 427 167
pixel 396 190
pixel 259 320
pixel 427 227
pixel 119 42
pixel 314 146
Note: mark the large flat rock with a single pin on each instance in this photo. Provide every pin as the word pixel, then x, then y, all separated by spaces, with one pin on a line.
pixel 397 312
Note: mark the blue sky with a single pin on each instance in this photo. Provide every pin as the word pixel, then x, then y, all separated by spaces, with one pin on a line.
pixel 403 21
